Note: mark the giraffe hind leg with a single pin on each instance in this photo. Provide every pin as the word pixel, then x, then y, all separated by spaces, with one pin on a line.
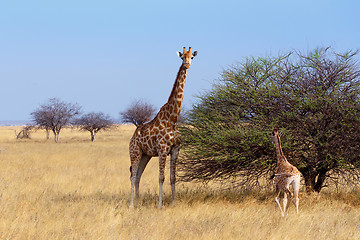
pixel 142 164
pixel 287 194
pixel 277 199
pixel 135 156
pixel 133 179
pixel 286 203
pixel 296 186
pixel 296 202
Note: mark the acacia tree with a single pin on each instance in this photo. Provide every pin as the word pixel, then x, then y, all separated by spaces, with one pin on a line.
pixel 314 98
pixel 54 115
pixel 138 113
pixel 94 122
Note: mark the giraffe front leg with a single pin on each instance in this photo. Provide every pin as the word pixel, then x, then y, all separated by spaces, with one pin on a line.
pixel 162 160
pixel 173 159
pixel 142 164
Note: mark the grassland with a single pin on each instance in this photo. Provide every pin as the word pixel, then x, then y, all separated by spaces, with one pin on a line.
pixel 77 189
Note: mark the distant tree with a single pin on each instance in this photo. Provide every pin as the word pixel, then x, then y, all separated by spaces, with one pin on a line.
pixel 314 98
pixel 94 122
pixel 54 115
pixel 138 113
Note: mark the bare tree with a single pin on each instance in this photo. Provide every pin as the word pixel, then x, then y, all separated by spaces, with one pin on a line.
pixel 55 115
pixel 24 133
pixel 138 112
pixel 94 122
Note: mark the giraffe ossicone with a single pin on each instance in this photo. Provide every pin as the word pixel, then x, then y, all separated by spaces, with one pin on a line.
pixel 160 137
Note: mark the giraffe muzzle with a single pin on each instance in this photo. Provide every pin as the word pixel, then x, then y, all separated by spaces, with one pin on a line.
pixel 187 65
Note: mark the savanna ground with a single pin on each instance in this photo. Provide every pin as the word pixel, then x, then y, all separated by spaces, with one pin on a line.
pixel 77 189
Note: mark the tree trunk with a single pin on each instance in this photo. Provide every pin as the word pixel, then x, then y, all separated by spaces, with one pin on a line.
pixel 320 180
pixel 309 182
pixel 47 134
pixel 314 180
pixel 92 136
pixel 56 136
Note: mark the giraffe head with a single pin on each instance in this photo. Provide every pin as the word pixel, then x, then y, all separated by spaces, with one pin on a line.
pixel 276 133
pixel 187 57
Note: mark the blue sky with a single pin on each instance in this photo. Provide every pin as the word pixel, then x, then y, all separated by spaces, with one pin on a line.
pixel 105 54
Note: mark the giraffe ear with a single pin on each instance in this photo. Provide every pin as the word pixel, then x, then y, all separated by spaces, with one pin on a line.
pixel 280 133
pixel 195 53
pixel 179 54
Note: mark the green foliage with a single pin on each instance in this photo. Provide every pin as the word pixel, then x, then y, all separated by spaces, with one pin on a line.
pixel 313 98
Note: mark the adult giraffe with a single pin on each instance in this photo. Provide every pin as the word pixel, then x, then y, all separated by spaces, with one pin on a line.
pixel 285 174
pixel 160 137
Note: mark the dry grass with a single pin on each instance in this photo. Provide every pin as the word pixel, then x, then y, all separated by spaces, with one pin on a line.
pixel 80 190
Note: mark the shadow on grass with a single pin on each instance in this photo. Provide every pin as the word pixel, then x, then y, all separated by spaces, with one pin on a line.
pixel 150 199
pixel 116 200
pixel 201 195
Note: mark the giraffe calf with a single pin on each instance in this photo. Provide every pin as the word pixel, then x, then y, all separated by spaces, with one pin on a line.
pixel 285 175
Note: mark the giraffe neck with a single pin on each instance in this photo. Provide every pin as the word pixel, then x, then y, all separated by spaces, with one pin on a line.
pixel 177 92
pixel 279 153
pixel 171 110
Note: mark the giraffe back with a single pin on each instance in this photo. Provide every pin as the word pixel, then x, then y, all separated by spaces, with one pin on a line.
pixel 155 137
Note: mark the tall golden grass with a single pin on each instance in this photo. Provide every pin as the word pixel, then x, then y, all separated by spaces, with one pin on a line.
pixel 77 189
